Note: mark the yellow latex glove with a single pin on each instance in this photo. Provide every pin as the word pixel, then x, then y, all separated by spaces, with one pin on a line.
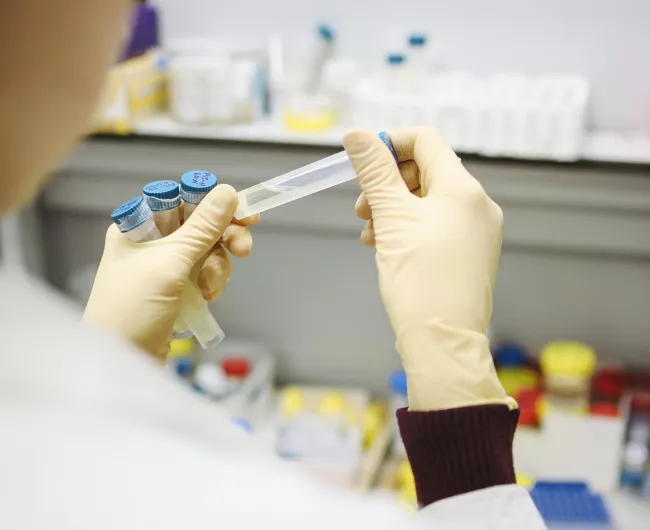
pixel 438 238
pixel 138 287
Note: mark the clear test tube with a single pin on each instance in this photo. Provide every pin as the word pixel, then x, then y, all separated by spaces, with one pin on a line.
pixel 301 182
pixel 164 199
pixel 135 219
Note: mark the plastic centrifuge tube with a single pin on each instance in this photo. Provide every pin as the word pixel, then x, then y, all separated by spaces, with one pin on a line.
pixel 135 219
pixel 164 199
pixel 195 185
pixel 301 182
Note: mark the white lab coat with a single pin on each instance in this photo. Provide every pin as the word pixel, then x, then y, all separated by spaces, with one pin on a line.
pixel 94 435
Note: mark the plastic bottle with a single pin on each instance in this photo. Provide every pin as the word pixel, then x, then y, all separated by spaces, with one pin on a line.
pixel 567 369
pixel 144 31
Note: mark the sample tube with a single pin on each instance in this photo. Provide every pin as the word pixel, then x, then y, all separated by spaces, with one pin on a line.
pixel 325 173
pixel 135 219
pixel 164 199
pixel 195 185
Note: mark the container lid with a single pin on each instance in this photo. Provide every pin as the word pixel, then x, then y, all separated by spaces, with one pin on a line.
pixel 396 58
pixel 510 354
pixel 383 136
pixel 238 367
pixel 181 347
pixel 417 40
pixel 397 382
pixel 197 184
pixel 131 214
pixel 325 32
pixel 162 195
pixel 573 359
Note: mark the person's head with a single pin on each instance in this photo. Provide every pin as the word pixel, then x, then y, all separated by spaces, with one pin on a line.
pixel 53 58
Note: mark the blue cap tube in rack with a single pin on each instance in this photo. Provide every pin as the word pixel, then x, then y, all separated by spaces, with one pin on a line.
pixel 195 185
pixel 134 218
pixel 301 182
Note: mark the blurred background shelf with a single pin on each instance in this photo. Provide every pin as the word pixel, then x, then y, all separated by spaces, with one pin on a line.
pixel 599 146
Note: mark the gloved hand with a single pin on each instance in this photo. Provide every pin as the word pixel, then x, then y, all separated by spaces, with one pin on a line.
pixel 438 239
pixel 138 287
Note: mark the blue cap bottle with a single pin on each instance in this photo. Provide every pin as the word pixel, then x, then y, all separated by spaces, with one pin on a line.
pixel 162 195
pixel 195 185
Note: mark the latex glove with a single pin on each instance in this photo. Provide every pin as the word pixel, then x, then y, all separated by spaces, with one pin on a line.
pixel 138 286
pixel 438 238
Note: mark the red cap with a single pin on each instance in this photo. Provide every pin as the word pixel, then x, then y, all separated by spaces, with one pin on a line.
pixel 604 409
pixel 609 383
pixel 238 367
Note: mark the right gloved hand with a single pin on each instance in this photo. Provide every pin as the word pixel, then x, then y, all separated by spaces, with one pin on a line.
pixel 438 240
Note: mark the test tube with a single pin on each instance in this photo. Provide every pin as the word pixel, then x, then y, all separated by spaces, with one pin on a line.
pixel 195 185
pixel 301 182
pixel 134 218
pixel 164 199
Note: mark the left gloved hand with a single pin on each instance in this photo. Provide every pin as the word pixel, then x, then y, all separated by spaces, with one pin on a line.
pixel 137 291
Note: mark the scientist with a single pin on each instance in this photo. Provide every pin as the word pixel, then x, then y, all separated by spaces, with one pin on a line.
pixel 94 434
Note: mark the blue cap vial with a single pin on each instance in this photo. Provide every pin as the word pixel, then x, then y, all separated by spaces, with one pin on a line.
pixel 396 58
pixel 162 195
pixel 397 382
pixel 417 40
pixel 131 214
pixel 197 184
pixel 325 33
pixel 383 136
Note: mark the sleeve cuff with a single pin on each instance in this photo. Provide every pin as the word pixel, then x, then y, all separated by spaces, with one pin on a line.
pixel 457 451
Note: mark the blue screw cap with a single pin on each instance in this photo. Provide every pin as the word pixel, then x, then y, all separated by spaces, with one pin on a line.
pixel 326 32
pixel 197 184
pixel 162 195
pixel 417 40
pixel 131 214
pixel 396 58
pixel 397 382
pixel 383 136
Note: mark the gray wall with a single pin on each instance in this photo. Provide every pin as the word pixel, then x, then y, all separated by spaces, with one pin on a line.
pixel 607 40
pixel 576 262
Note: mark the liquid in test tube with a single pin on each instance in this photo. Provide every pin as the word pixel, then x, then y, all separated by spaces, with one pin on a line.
pixel 134 218
pixel 301 182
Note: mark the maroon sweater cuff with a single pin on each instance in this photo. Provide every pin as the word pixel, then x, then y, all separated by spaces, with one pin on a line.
pixel 457 451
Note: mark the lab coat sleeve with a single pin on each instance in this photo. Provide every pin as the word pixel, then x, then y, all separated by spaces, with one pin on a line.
pixel 463 468
pixel 498 508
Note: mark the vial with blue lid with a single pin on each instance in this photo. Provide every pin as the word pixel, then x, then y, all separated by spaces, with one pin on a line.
pixel 134 218
pixel 164 199
pixel 195 185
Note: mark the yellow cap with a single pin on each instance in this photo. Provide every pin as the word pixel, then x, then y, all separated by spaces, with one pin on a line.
pixel 332 403
pixel 514 380
pixel 573 359
pixel 181 347
pixel 524 480
pixel 293 401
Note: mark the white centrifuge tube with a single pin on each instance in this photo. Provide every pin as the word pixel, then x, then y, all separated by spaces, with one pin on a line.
pixel 164 199
pixel 195 185
pixel 318 176
pixel 135 219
